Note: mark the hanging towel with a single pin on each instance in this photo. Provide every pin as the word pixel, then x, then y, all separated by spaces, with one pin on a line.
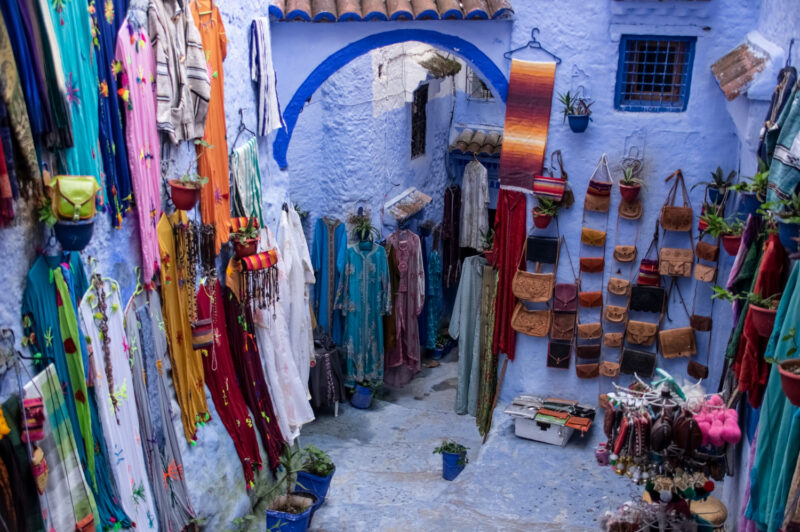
pixel 262 73
pixel 246 180
pixel 530 92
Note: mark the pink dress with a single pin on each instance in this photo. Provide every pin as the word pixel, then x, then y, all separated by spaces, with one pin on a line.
pixel 134 61
pixel 402 361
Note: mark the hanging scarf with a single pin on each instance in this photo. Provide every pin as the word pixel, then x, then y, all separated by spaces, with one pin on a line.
pixel 6 196
pixel 262 73
pixel 246 179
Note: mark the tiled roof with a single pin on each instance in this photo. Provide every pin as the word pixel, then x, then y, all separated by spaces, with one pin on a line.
pixel 479 142
pixel 350 10
pixel 736 69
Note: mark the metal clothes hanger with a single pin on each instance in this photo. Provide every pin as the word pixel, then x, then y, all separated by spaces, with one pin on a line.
pixel 242 128
pixel 535 44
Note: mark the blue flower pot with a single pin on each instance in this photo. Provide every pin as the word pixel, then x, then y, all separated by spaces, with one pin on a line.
pixel 437 353
pixel 450 465
pixel 714 196
pixel 286 522
pixel 748 204
pixel 786 232
pixel 315 485
pixel 362 398
pixel 578 123
pixel 74 236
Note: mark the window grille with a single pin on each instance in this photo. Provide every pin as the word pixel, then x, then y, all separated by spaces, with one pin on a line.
pixel 476 88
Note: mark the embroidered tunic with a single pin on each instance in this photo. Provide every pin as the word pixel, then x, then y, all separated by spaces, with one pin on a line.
pixel 327 258
pixel 474 206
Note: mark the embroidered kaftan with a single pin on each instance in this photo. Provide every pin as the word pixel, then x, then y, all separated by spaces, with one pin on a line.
pixel 327 258
pixel 474 206
pixel 363 297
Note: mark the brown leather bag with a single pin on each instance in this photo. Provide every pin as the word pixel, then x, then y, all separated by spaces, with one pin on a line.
pixel 707 251
pixel 592 264
pixel 590 331
pixel 630 210
pixel 613 339
pixel 705 274
pixel 618 287
pixel 625 253
pixel 696 370
pixel 563 326
pixel 590 299
pixel 673 217
pixel 641 332
pixel 533 287
pixel 608 368
pixel 700 323
pixel 588 351
pixel 587 371
pixel 565 297
pixel 678 342
pixel 616 314
pixel 675 262
pixel 530 322
pixel 593 237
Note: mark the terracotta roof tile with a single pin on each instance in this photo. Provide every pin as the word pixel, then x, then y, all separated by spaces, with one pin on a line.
pixel 323 10
pixel 480 142
pixel 349 10
pixel 736 69
pixel 374 10
pixel 355 10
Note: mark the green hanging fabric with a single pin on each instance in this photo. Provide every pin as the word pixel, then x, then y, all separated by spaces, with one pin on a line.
pixel 246 179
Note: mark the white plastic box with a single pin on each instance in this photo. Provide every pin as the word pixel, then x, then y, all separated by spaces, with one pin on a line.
pixel 523 410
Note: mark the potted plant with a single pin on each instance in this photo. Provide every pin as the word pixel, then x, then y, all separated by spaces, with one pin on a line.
pixel 185 191
pixel 454 458
pixel 752 191
pixel 629 185
pixel 730 233
pixel 315 478
pixel 245 239
pixel 289 510
pixel 361 226
pixel 443 345
pixel 362 395
pixel 789 370
pixel 576 111
pixel 719 184
pixel 762 313
pixel 788 217
pixel 544 212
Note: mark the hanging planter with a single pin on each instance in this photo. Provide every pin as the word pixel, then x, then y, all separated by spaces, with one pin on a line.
pixel 731 244
pixel 630 192
pixel 578 123
pixel 787 232
pixel 763 319
pixel 245 239
pixel 714 195
pixel 185 195
pixel 245 248
pixel 576 111
pixel 74 236
pixel 749 202
pixel 362 397
pixel 790 379
pixel 544 212
pixel 540 220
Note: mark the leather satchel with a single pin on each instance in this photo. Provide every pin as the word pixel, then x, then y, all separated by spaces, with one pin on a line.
pixel 675 262
pixel 647 298
pixel 641 332
pixel 587 371
pixel 592 264
pixel 530 322
pixel 609 369
pixel 700 323
pixel 590 299
pixel 625 253
pixel 588 351
pixel 704 273
pixel 616 313
pixel 563 326
pixel 590 331
pixel 613 339
pixel 565 297
pixel 618 287
pixel 543 249
pixel 674 217
pixel 696 370
pixel 630 210
pixel 534 287
pixel 642 363
pixel 678 342
pixel 707 251
pixel 598 193
pixel 559 354
pixel 73 197
pixel 593 237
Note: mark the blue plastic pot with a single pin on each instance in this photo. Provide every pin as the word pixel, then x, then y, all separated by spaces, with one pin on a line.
pixel 450 464
pixel 787 232
pixel 315 485
pixel 437 353
pixel 578 123
pixel 714 196
pixel 74 236
pixel 362 398
pixel 748 204
pixel 286 522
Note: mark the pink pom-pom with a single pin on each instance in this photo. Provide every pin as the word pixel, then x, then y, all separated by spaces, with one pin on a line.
pixel 731 433
pixel 715 434
pixel 715 400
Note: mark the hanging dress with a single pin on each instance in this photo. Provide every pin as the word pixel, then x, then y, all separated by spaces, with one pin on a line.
pixel 474 206
pixel 327 259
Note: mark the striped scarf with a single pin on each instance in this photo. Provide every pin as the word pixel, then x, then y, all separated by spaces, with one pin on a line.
pixel 262 73
pixel 246 179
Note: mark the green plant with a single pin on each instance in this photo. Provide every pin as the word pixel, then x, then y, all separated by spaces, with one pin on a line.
pixel 317 462
pixel 787 210
pixel 191 178
pixel 629 177
pixel 292 461
pixel 756 184
pixel 46 213
pixel 300 212
pixel 752 298
pixel 243 524
pixel 248 232
pixel 361 226
pixel 546 207
pixel 452 446
pixel 487 238
pixel 574 105
pixel 717 226
pixel 718 180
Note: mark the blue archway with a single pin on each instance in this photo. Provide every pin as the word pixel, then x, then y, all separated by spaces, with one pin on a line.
pixel 464 49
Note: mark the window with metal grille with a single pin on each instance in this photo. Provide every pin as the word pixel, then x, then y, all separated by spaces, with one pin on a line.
pixel 477 88
pixel 654 73
pixel 419 121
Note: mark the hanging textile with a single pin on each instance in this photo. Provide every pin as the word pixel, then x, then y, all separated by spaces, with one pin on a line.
pixel 509 235
pixel 451 222
pixel 107 17
pixel 792 517
pixel 221 381
pixel 327 259
pixel 326 380
pixel 6 194
pixel 187 364
pixel 263 75
pixel 134 57
pixel 402 362
pixel 488 361
pixel 784 170
pixel 530 92
pixel 8 149
pixel 768 135
pixel 363 297
pixel 390 320
pixel 474 206
pixel 246 180
pixel 433 298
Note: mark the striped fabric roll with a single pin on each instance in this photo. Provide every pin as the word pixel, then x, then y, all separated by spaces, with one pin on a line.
pixel 246 181
pixel 260 261
pixel 545 186
pixel 241 223
pixel 202 334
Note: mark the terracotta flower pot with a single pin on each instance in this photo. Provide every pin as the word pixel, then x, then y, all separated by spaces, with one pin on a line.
pixel 630 192
pixel 763 319
pixel 790 379
pixel 541 221
pixel 731 243
pixel 246 248
pixel 184 198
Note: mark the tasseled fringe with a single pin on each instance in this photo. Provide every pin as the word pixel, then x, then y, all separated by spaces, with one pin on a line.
pixel 260 287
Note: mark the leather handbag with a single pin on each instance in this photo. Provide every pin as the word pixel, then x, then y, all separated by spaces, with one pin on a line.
pixel 642 363
pixel 590 331
pixel 530 322
pixel 686 433
pixel 648 273
pixel 73 197
pixel 696 370
pixel 562 326
pixel 613 339
pixel 587 371
pixel 608 368
pixel 559 354
pixel 543 249
pixel 704 273
pixel 700 323
pixel 598 193
pixel 615 313
pixel 593 237
pixel 550 186
pixel 530 286
pixel 647 298
pixel 630 210
pixel 592 264
pixel 588 351
pixel 674 217
pixel 618 287
pixel 590 299
pixel 625 253
pixel 675 262
pixel 678 342
pixel 641 332
pixel 565 297
pixel 707 251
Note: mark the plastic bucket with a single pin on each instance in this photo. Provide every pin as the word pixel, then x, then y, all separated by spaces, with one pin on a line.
pixel 316 485
pixel 450 465
pixel 286 522
pixel 362 398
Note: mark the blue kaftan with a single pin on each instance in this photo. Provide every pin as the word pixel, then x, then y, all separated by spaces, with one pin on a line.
pixel 327 259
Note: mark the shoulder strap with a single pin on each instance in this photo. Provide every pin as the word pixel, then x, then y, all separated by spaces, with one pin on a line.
pixel 602 168
pixel 673 191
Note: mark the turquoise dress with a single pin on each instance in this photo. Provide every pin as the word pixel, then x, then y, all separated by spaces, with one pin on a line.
pixel 327 259
pixel 779 424
pixel 364 296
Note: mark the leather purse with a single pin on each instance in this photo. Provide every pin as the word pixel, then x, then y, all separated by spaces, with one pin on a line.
pixel 647 298
pixel 678 342
pixel 625 253
pixel 562 326
pixel 587 371
pixel 550 187
pixel 641 332
pixel 648 273
pixel 588 351
pixel 73 197
pixel 608 368
pixel 618 287
pixel 593 237
pixel 700 323
pixel 686 433
pixel 696 370
pixel 565 297
pixel 592 264
pixel 630 210
pixel 590 299
pixel 674 217
pixel 533 287
pixel 643 363
pixel 616 313
pixel 675 262
pixel 613 339
pixel 704 273
pixel 559 354
pixel 543 249
pixel 530 322
pixel 590 331
pixel 707 251
pixel 598 193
